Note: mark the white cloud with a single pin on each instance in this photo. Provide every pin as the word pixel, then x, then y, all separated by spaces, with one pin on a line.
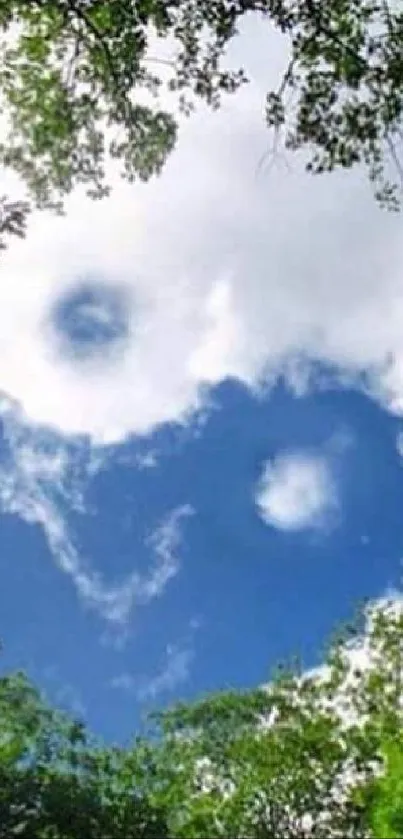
pixel 296 491
pixel 149 460
pixel 226 269
pixel 43 479
pixel 124 682
pixel 66 695
pixel 174 672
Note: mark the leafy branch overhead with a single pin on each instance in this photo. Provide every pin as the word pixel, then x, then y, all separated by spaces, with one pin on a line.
pixel 345 78
pixel 73 75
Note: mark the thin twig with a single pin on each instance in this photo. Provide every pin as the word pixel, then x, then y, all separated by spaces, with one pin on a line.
pixel 86 20
pixel 395 158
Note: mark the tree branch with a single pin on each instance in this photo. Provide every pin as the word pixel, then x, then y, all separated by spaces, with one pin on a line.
pixel 98 35
pixel 13 219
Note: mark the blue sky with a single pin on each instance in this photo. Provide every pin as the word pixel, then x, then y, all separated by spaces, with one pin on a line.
pixel 243 593
pixel 201 422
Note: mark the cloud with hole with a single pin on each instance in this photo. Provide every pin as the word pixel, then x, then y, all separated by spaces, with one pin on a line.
pixel 297 491
pixel 115 318
pixel 118 317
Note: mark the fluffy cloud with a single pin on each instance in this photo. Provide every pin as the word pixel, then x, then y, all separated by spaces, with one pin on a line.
pixel 296 491
pixel 42 480
pixel 224 268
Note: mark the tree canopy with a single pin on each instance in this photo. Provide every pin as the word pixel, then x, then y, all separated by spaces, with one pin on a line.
pixel 57 782
pixel 73 75
pixel 310 755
